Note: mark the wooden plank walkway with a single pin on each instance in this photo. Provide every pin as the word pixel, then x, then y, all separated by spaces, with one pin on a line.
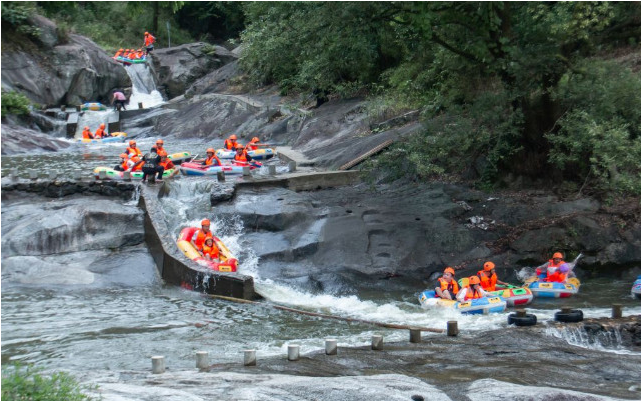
pixel 368 154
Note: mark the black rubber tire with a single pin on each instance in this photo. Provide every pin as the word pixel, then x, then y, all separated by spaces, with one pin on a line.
pixel 526 321
pixel 572 316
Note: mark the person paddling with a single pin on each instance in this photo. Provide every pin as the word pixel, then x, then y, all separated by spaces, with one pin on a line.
pixel 87 135
pixel 211 159
pixel 548 271
pixel 253 145
pixel 488 277
pixel 100 132
pixel 242 156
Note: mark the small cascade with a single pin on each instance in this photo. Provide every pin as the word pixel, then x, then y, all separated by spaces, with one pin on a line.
pixel 93 120
pixel 609 339
pixel 143 87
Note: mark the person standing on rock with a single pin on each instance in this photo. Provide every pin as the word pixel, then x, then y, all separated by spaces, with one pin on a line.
pixel 149 43
pixel 447 286
pixel 118 100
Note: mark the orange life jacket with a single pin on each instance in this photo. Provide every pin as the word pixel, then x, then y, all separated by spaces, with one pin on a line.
pixel 450 286
pixel 161 151
pixel 124 165
pixel 229 144
pixel 473 294
pixel 210 161
pixel 213 251
pixel 488 283
pixel 241 158
pixel 200 238
pixel 149 39
pixel 552 274
pixel 100 133
pixel 136 168
pixel 167 165
pixel 87 134
pixel 133 151
pixel 251 147
pixel 118 53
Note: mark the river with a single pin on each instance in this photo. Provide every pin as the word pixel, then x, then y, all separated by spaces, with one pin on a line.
pixel 116 324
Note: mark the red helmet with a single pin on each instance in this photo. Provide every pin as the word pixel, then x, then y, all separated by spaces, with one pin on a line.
pixel 123 155
pixel 209 150
pixel 159 142
pixel 488 266
pixel 474 280
pixel 205 222
pixel 102 125
pixel 557 255
pixel 449 270
pixel 233 137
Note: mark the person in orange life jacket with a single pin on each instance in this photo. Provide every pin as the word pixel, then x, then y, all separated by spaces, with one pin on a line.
pixel 167 165
pixel 134 165
pixel 488 277
pixel 119 53
pixel 210 250
pixel 159 148
pixel 201 234
pixel 230 143
pixel 87 134
pixel 242 155
pixel 132 149
pixel 123 166
pixel 252 145
pixel 211 159
pixel 550 267
pixel 149 42
pixel 473 290
pixel 447 286
pixel 100 132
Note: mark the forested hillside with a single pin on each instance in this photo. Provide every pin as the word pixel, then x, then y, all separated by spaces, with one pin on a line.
pixel 544 92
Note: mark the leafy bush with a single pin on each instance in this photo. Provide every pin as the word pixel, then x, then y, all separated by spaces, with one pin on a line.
pixel 27 383
pixel 14 103
pixel 16 14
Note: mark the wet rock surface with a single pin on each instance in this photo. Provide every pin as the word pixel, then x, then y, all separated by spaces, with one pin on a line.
pixel 19 140
pixel 526 365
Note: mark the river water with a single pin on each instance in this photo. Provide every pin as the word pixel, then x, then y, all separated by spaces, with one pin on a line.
pixel 131 315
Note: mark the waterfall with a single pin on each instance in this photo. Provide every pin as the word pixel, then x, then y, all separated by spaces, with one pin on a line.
pixel 143 87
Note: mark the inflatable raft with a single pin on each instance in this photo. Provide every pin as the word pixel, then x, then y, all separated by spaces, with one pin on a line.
pixel 636 288
pixel 260 154
pixel 114 137
pixel 484 305
pixel 227 262
pixel 180 157
pixel 112 174
pixel 128 61
pixel 514 295
pixel 541 288
pixel 196 169
pixel 95 106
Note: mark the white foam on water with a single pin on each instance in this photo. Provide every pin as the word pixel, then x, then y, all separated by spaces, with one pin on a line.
pixel 143 87
pixel 93 120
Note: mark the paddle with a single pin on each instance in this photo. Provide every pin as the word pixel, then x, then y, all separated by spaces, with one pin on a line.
pixel 195 156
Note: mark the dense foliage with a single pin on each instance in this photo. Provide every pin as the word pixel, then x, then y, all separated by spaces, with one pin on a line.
pixel 14 103
pixel 15 17
pixel 28 383
pixel 503 85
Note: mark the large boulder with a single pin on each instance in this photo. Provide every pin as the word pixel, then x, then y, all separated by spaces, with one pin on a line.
pixel 178 67
pixel 17 140
pixel 70 71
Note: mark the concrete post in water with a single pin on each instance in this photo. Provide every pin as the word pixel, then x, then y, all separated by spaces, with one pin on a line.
pixel 202 360
pixel 102 175
pixel 13 174
pixel 53 175
pixel 617 310
pixel 158 364
pixel 331 346
pixel 127 176
pixel 292 166
pixel 246 170
pixel 250 357
pixel 63 108
pixel 377 342
pixel 521 313
pixel 33 174
pixel 293 352
pixel 220 177
pixel 272 170
pixel 78 108
pixel 77 174
pixel 415 336
pixel 452 328
pixel 565 309
pixel 140 105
